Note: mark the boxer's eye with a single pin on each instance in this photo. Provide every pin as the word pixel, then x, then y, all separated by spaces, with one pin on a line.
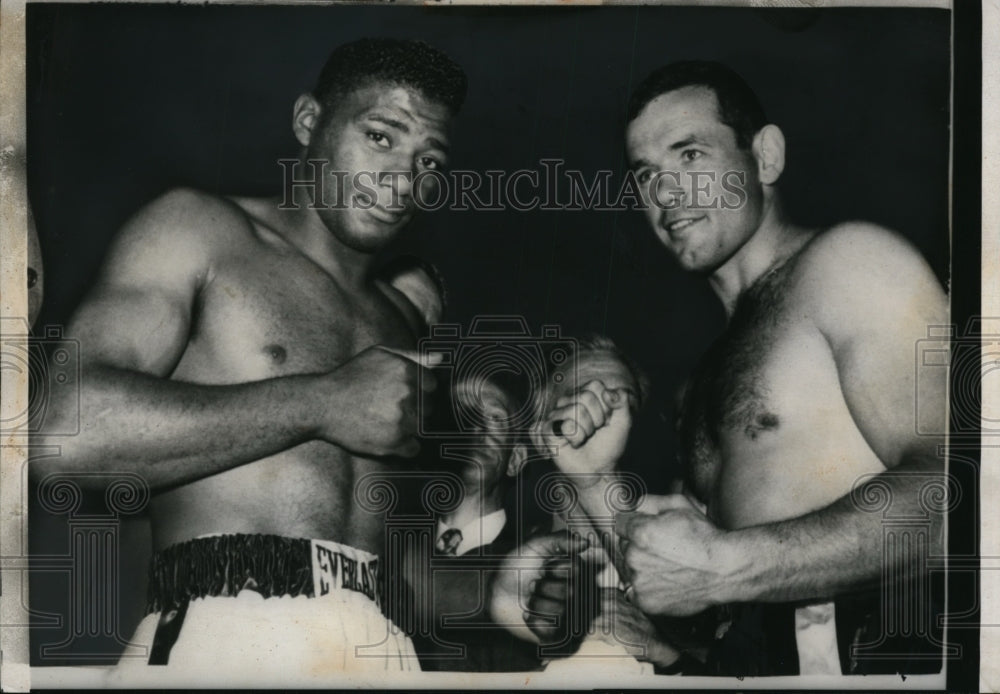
pixel 429 163
pixel 644 176
pixel 380 139
pixel 691 154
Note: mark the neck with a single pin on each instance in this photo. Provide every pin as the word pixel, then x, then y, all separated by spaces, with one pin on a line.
pixel 476 504
pixel 774 242
pixel 304 229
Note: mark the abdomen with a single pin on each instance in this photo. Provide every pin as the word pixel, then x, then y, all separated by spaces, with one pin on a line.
pixel 306 491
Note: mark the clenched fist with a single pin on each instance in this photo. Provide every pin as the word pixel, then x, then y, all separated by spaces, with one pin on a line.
pixel 545 592
pixel 588 429
pixel 368 405
pixel 679 561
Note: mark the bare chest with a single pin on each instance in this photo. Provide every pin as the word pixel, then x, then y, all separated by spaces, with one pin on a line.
pixel 759 406
pixel 264 315
pixel 278 315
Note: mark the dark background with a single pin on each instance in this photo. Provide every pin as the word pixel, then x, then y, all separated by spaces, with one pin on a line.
pixel 126 101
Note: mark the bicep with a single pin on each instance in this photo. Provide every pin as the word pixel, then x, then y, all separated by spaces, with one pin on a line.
pixel 138 315
pixel 894 401
pixel 878 311
pixel 139 328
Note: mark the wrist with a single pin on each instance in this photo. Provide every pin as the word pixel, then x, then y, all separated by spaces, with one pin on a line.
pixel 315 395
pixel 591 480
pixel 737 550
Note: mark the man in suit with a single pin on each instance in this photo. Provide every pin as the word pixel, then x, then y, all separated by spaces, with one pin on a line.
pixel 470 541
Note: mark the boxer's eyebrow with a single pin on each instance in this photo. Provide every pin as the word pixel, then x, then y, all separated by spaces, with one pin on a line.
pixel 405 129
pixel 391 122
pixel 687 142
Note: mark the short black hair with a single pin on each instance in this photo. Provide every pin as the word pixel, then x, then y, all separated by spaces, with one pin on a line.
pixel 407 63
pixel 739 107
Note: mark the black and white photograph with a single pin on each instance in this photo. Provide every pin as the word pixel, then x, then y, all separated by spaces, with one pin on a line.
pixel 470 346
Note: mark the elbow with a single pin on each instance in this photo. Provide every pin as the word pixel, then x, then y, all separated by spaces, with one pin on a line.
pixel 62 443
pixel 71 423
pixel 55 405
pixel 54 462
pixel 57 438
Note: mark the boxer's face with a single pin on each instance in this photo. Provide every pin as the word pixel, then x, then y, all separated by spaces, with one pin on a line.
pixel 702 192
pixel 375 140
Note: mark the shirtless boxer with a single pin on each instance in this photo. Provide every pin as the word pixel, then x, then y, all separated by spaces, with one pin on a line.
pixel 242 360
pixel 809 392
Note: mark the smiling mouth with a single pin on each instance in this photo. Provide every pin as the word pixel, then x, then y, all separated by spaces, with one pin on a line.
pixel 681 224
pixel 388 216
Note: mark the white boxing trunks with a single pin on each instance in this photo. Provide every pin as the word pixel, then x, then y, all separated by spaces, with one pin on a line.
pixel 259 610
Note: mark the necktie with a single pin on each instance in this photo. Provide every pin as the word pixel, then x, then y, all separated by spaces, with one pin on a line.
pixel 449 541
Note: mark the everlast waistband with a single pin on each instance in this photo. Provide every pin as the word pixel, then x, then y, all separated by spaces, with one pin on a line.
pixel 272 565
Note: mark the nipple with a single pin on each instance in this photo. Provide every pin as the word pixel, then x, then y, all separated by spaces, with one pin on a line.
pixel 277 353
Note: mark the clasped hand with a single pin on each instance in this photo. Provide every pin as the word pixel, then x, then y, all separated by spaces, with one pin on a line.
pixel 679 562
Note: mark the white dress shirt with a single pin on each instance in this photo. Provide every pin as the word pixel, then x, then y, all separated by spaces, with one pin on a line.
pixel 480 531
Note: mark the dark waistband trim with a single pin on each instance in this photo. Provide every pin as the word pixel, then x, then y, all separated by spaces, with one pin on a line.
pixel 223 565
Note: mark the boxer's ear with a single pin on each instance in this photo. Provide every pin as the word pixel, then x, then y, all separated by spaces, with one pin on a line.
pixel 769 151
pixel 305 117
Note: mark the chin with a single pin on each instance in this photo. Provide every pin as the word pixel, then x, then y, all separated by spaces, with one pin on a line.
pixel 367 240
pixel 699 262
pixel 690 263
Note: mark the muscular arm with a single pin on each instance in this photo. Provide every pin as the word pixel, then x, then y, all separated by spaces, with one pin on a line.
pixel 172 433
pixel 598 422
pixel 873 297
pixel 836 549
pixel 133 329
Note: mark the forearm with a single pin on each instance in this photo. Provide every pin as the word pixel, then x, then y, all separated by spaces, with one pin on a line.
pixel 596 493
pixel 838 548
pixel 172 432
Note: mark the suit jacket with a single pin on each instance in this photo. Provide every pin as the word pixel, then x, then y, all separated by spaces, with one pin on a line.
pixel 475 643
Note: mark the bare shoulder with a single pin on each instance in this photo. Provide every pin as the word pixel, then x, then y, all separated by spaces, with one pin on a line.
pixel 138 313
pixel 181 231
pixel 188 216
pixel 855 249
pixel 859 272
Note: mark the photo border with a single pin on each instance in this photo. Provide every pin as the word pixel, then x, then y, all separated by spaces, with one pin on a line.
pixel 975 293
